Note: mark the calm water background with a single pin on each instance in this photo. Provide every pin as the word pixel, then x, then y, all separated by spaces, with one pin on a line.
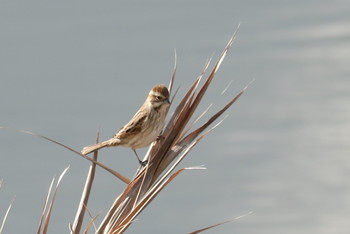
pixel 67 68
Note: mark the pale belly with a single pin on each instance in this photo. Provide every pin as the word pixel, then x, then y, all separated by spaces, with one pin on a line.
pixel 146 137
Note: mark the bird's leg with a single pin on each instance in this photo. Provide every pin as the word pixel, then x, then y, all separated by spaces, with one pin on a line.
pixel 142 163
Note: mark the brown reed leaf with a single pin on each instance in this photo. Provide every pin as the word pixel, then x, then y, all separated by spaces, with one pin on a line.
pixel 113 172
pixel 146 200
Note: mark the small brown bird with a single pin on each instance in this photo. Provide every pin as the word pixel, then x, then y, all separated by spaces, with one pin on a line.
pixel 144 128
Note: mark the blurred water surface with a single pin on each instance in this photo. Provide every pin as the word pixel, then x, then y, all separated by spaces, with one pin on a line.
pixel 67 68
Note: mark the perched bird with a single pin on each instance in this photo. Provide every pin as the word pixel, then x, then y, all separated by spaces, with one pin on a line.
pixel 144 128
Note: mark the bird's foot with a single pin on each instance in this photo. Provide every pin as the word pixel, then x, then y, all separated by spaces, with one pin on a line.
pixel 143 163
pixel 160 138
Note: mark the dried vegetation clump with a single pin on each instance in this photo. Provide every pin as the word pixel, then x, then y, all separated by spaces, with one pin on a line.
pixel 163 156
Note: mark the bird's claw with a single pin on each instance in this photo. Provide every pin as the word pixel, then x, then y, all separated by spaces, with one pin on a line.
pixel 143 163
pixel 159 138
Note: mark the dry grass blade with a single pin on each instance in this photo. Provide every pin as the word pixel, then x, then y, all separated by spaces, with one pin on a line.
pixel 92 223
pixel 165 154
pixel 79 218
pixel 46 202
pixel 113 172
pixel 6 214
pixel 46 214
pixel 171 83
pixel 218 224
pixel 226 88
pixel 195 133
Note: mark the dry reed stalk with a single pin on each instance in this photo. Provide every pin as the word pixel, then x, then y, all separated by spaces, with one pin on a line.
pixel 164 155
pixel 79 218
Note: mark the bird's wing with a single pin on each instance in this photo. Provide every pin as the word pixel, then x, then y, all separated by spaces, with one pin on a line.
pixel 133 127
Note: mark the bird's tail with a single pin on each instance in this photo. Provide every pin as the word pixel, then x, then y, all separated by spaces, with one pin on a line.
pixel 92 148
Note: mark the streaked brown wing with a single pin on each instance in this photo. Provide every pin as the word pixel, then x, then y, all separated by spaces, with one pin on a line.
pixel 133 127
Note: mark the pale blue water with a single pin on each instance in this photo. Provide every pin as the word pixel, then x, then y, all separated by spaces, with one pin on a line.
pixel 283 152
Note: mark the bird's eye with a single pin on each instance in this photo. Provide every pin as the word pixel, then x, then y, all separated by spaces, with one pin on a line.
pixel 159 97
